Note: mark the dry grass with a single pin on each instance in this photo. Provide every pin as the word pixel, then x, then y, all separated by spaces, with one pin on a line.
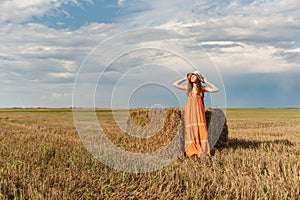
pixel 42 157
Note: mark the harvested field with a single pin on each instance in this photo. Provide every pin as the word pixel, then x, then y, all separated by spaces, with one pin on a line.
pixel 42 157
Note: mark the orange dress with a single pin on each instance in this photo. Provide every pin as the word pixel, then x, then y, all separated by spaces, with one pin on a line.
pixel 195 129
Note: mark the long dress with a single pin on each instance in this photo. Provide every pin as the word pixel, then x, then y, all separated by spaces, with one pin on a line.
pixel 195 129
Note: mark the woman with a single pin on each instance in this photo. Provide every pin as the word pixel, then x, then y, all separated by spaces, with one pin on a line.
pixel 195 133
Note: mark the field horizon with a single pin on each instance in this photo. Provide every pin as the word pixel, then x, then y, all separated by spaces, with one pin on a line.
pixel 43 157
pixel 105 108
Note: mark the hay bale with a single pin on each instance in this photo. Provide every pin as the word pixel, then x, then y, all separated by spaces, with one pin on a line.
pixel 155 128
pixel 217 128
pixel 167 122
pixel 148 122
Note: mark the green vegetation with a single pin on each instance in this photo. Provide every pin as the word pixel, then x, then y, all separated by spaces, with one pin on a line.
pixel 264 113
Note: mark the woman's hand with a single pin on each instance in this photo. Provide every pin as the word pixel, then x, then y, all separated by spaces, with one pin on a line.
pixel 178 84
pixel 211 87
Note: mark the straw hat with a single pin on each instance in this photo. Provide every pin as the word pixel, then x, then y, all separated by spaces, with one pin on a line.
pixel 198 74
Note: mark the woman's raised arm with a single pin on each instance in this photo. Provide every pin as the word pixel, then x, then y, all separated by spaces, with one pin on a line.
pixel 211 88
pixel 178 84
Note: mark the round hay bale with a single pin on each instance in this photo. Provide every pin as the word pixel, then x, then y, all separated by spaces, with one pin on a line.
pixel 217 128
pixel 145 123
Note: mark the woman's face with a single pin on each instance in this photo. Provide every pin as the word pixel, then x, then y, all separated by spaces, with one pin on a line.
pixel 193 78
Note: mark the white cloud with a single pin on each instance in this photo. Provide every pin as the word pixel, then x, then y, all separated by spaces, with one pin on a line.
pixel 59 95
pixel 253 31
pixel 297 50
pixel 16 11
pixel 55 99
pixel 56 95
pixel 247 58
pixel 35 53
pixel 120 2
pixel 257 37
pixel 62 75
pixel 19 11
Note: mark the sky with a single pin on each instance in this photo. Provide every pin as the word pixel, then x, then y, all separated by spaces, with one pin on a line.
pixel 127 53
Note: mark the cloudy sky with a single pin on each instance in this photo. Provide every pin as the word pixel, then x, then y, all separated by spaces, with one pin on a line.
pixel 120 53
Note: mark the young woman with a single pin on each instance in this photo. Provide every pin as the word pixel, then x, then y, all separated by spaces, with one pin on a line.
pixel 195 129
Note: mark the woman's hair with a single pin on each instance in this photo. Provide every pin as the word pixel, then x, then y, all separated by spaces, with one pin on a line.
pixel 190 84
